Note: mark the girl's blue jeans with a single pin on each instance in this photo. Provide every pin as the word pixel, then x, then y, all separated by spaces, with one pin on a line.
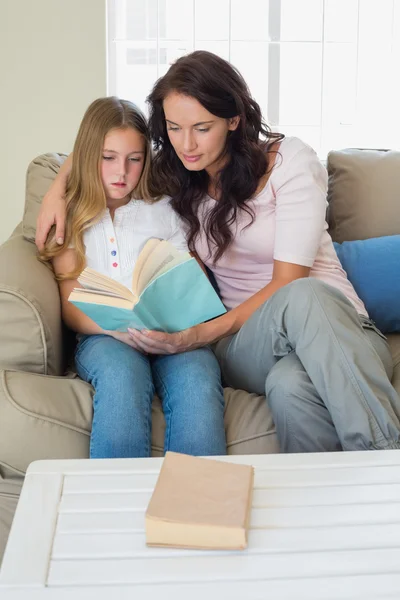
pixel 188 385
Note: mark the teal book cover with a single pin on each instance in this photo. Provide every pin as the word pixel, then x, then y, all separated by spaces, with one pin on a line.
pixel 178 299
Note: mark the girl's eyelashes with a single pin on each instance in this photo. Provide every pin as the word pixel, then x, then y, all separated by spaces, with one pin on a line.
pixel 131 159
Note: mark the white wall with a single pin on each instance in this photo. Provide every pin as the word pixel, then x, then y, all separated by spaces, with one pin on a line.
pixel 52 65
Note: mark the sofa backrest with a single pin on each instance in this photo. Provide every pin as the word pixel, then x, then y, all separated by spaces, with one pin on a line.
pixel 41 172
pixel 363 194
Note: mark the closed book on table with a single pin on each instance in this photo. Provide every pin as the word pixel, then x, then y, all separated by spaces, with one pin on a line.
pixel 200 503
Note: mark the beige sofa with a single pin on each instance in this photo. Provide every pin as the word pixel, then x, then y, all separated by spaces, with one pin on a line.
pixel 45 410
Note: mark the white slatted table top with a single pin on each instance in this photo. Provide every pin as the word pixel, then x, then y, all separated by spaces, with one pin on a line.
pixel 323 526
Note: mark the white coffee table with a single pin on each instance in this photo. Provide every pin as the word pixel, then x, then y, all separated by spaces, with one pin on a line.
pixel 322 526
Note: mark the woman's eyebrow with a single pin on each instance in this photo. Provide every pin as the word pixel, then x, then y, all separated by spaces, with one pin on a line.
pixel 195 125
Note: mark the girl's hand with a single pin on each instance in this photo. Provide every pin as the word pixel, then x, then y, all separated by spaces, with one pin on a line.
pixel 158 342
pixel 126 338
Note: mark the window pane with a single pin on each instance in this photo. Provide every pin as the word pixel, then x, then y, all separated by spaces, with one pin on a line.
pixel 170 52
pixel 301 20
pixel 339 95
pixel 395 80
pixel 252 23
pixel 341 20
pixel 251 58
pixel 325 70
pixel 339 84
pixel 310 135
pixel 374 61
pixel 211 20
pixel 135 79
pixel 179 19
pixel 141 19
pixel 300 84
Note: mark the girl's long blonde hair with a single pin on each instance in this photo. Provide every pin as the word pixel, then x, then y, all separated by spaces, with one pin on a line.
pixel 85 196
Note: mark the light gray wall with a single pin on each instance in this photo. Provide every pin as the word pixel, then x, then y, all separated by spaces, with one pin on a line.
pixel 52 65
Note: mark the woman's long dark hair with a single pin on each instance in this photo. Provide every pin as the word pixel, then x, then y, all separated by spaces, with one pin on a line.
pixel 220 88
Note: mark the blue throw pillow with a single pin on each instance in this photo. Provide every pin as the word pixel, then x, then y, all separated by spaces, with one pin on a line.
pixel 373 267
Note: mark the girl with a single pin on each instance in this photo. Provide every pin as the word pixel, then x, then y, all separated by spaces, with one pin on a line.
pixel 255 203
pixel 110 216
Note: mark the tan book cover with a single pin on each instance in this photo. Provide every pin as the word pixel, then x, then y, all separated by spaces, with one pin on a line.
pixel 200 503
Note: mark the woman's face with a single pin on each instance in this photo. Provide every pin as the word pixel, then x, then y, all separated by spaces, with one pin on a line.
pixel 122 163
pixel 197 136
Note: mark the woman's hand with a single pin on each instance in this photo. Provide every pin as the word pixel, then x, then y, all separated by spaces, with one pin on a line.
pixel 53 210
pixel 157 342
pixel 126 338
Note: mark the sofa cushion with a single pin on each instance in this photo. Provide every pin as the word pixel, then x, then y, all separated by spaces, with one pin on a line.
pixel 363 194
pixel 51 418
pixel 40 174
pixel 373 267
pixel 43 417
pixel 248 423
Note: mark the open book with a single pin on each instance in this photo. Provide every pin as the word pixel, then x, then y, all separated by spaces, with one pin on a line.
pixel 170 292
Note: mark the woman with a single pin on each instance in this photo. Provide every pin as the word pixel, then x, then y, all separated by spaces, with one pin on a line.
pixel 254 204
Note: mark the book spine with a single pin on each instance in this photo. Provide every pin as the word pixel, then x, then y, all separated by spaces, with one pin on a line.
pixel 148 320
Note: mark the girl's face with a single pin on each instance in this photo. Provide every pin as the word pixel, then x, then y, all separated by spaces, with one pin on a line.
pixel 197 136
pixel 121 164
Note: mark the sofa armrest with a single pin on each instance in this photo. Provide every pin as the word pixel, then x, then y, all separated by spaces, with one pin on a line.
pixel 10 490
pixel 30 313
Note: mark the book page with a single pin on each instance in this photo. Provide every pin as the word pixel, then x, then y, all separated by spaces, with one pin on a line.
pixel 81 295
pixel 89 291
pixel 183 257
pixel 147 249
pixel 93 280
pixel 162 255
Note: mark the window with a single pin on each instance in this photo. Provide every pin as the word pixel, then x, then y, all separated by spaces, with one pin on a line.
pixel 323 70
